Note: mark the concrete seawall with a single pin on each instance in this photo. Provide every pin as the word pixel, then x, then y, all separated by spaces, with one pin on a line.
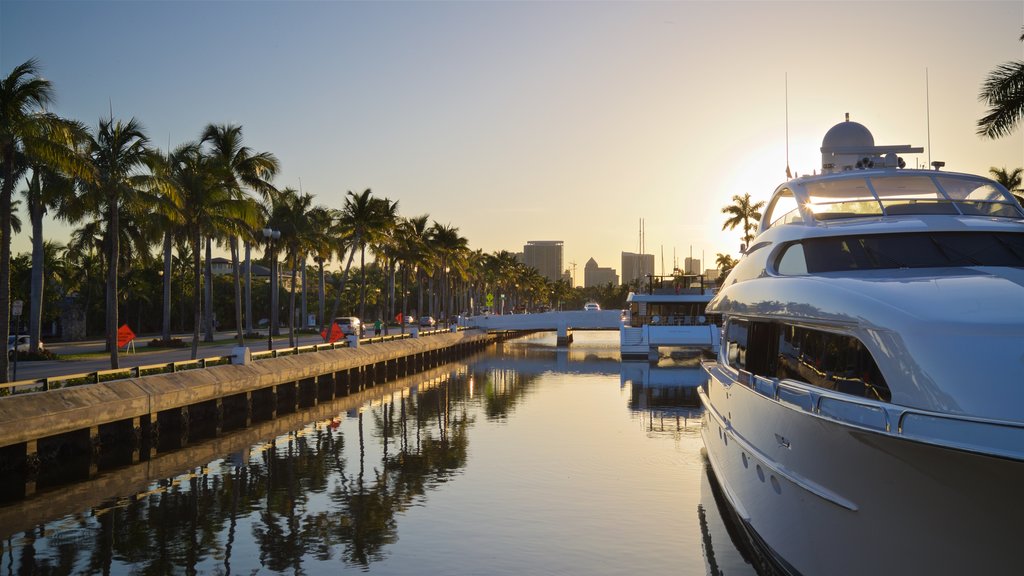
pixel 146 412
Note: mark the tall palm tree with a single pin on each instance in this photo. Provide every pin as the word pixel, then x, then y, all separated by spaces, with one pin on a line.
pixel 383 247
pixel 169 219
pixel 197 185
pixel 45 189
pixel 743 212
pixel 1003 93
pixel 119 152
pixel 239 167
pixel 290 214
pixel 356 217
pixel 449 246
pixel 407 253
pixel 28 135
pixel 322 249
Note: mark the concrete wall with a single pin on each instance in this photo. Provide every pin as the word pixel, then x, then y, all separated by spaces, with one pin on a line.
pixel 27 417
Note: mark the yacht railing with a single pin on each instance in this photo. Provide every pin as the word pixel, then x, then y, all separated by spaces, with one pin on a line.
pixel 988 436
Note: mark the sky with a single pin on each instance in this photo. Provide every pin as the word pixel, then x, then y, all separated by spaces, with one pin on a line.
pixel 520 121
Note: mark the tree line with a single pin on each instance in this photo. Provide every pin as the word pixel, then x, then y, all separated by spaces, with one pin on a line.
pixel 146 222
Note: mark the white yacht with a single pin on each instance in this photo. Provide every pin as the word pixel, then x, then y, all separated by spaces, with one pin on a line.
pixel 865 414
pixel 669 315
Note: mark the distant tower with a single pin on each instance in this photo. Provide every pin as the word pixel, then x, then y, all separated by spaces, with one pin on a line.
pixel 545 256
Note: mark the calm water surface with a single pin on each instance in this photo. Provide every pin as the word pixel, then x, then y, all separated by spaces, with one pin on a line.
pixel 530 459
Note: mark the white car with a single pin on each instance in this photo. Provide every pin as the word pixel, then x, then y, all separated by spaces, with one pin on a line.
pixel 350 325
pixel 23 342
pixel 592 307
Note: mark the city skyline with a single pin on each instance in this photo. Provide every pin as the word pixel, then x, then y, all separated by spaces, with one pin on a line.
pixel 534 120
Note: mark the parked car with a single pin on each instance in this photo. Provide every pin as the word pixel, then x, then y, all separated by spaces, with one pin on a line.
pixel 427 322
pixel 350 325
pixel 592 307
pixel 23 342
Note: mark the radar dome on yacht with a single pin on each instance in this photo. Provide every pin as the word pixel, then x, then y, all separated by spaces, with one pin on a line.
pixel 849 145
pixel 847 134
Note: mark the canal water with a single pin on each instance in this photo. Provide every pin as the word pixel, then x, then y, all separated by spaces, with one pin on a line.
pixel 528 459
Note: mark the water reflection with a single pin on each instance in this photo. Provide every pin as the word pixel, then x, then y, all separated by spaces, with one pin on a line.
pixel 559 481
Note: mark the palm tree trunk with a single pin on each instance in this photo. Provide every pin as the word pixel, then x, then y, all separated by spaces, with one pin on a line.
pixel 238 290
pixel 341 284
pixel 362 282
pixel 405 297
pixel 291 305
pixel 35 313
pixel 274 294
pixel 165 329
pixel 305 306
pixel 197 243
pixel 248 287
pixel 208 308
pixel 322 297
pixel 5 253
pixel 115 254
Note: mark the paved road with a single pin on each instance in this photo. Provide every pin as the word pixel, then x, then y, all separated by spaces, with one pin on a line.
pixel 223 344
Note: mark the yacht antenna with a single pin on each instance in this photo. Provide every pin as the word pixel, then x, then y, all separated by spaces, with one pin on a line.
pixel 788 173
pixel 928 114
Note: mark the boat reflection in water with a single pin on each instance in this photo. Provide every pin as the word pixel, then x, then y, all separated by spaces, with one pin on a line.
pixel 664 393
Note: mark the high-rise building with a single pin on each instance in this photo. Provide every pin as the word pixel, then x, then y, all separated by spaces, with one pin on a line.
pixel 691 265
pixel 545 256
pixel 594 275
pixel 636 266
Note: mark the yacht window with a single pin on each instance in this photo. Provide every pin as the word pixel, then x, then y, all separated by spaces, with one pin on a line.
pixel 833 361
pixel 792 261
pixel 752 346
pixel 783 209
pixel 823 359
pixel 736 343
pixel 844 198
pixel 911 250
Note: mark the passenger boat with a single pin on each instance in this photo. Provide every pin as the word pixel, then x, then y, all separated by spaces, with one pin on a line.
pixel 670 314
pixel 865 414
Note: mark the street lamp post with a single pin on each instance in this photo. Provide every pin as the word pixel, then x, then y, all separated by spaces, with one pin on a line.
pixel 16 307
pixel 271 235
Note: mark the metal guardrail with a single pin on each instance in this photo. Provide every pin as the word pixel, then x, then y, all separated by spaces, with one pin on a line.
pixel 67 380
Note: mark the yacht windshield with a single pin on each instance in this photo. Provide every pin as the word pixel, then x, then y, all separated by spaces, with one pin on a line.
pixel 854 197
pixel 906 250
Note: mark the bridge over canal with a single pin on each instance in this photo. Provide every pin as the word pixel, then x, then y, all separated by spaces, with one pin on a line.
pixel 564 322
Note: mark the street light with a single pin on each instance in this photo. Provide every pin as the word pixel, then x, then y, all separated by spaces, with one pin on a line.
pixel 271 235
pixel 16 307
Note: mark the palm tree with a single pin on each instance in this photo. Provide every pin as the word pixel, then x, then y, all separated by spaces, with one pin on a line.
pixel 449 247
pixel 741 211
pixel 322 249
pixel 197 186
pixel 725 264
pixel 46 188
pixel 28 135
pixel 119 151
pixel 1003 92
pixel 1011 180
pixel 290 214
pixel 237 166
pixel 356 215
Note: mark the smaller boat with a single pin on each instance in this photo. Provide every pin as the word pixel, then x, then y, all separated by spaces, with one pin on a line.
pixel 669 315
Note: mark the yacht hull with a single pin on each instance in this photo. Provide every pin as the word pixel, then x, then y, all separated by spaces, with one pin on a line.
pixel 829 498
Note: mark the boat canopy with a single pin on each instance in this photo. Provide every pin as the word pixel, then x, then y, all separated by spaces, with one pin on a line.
pixel 874 193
